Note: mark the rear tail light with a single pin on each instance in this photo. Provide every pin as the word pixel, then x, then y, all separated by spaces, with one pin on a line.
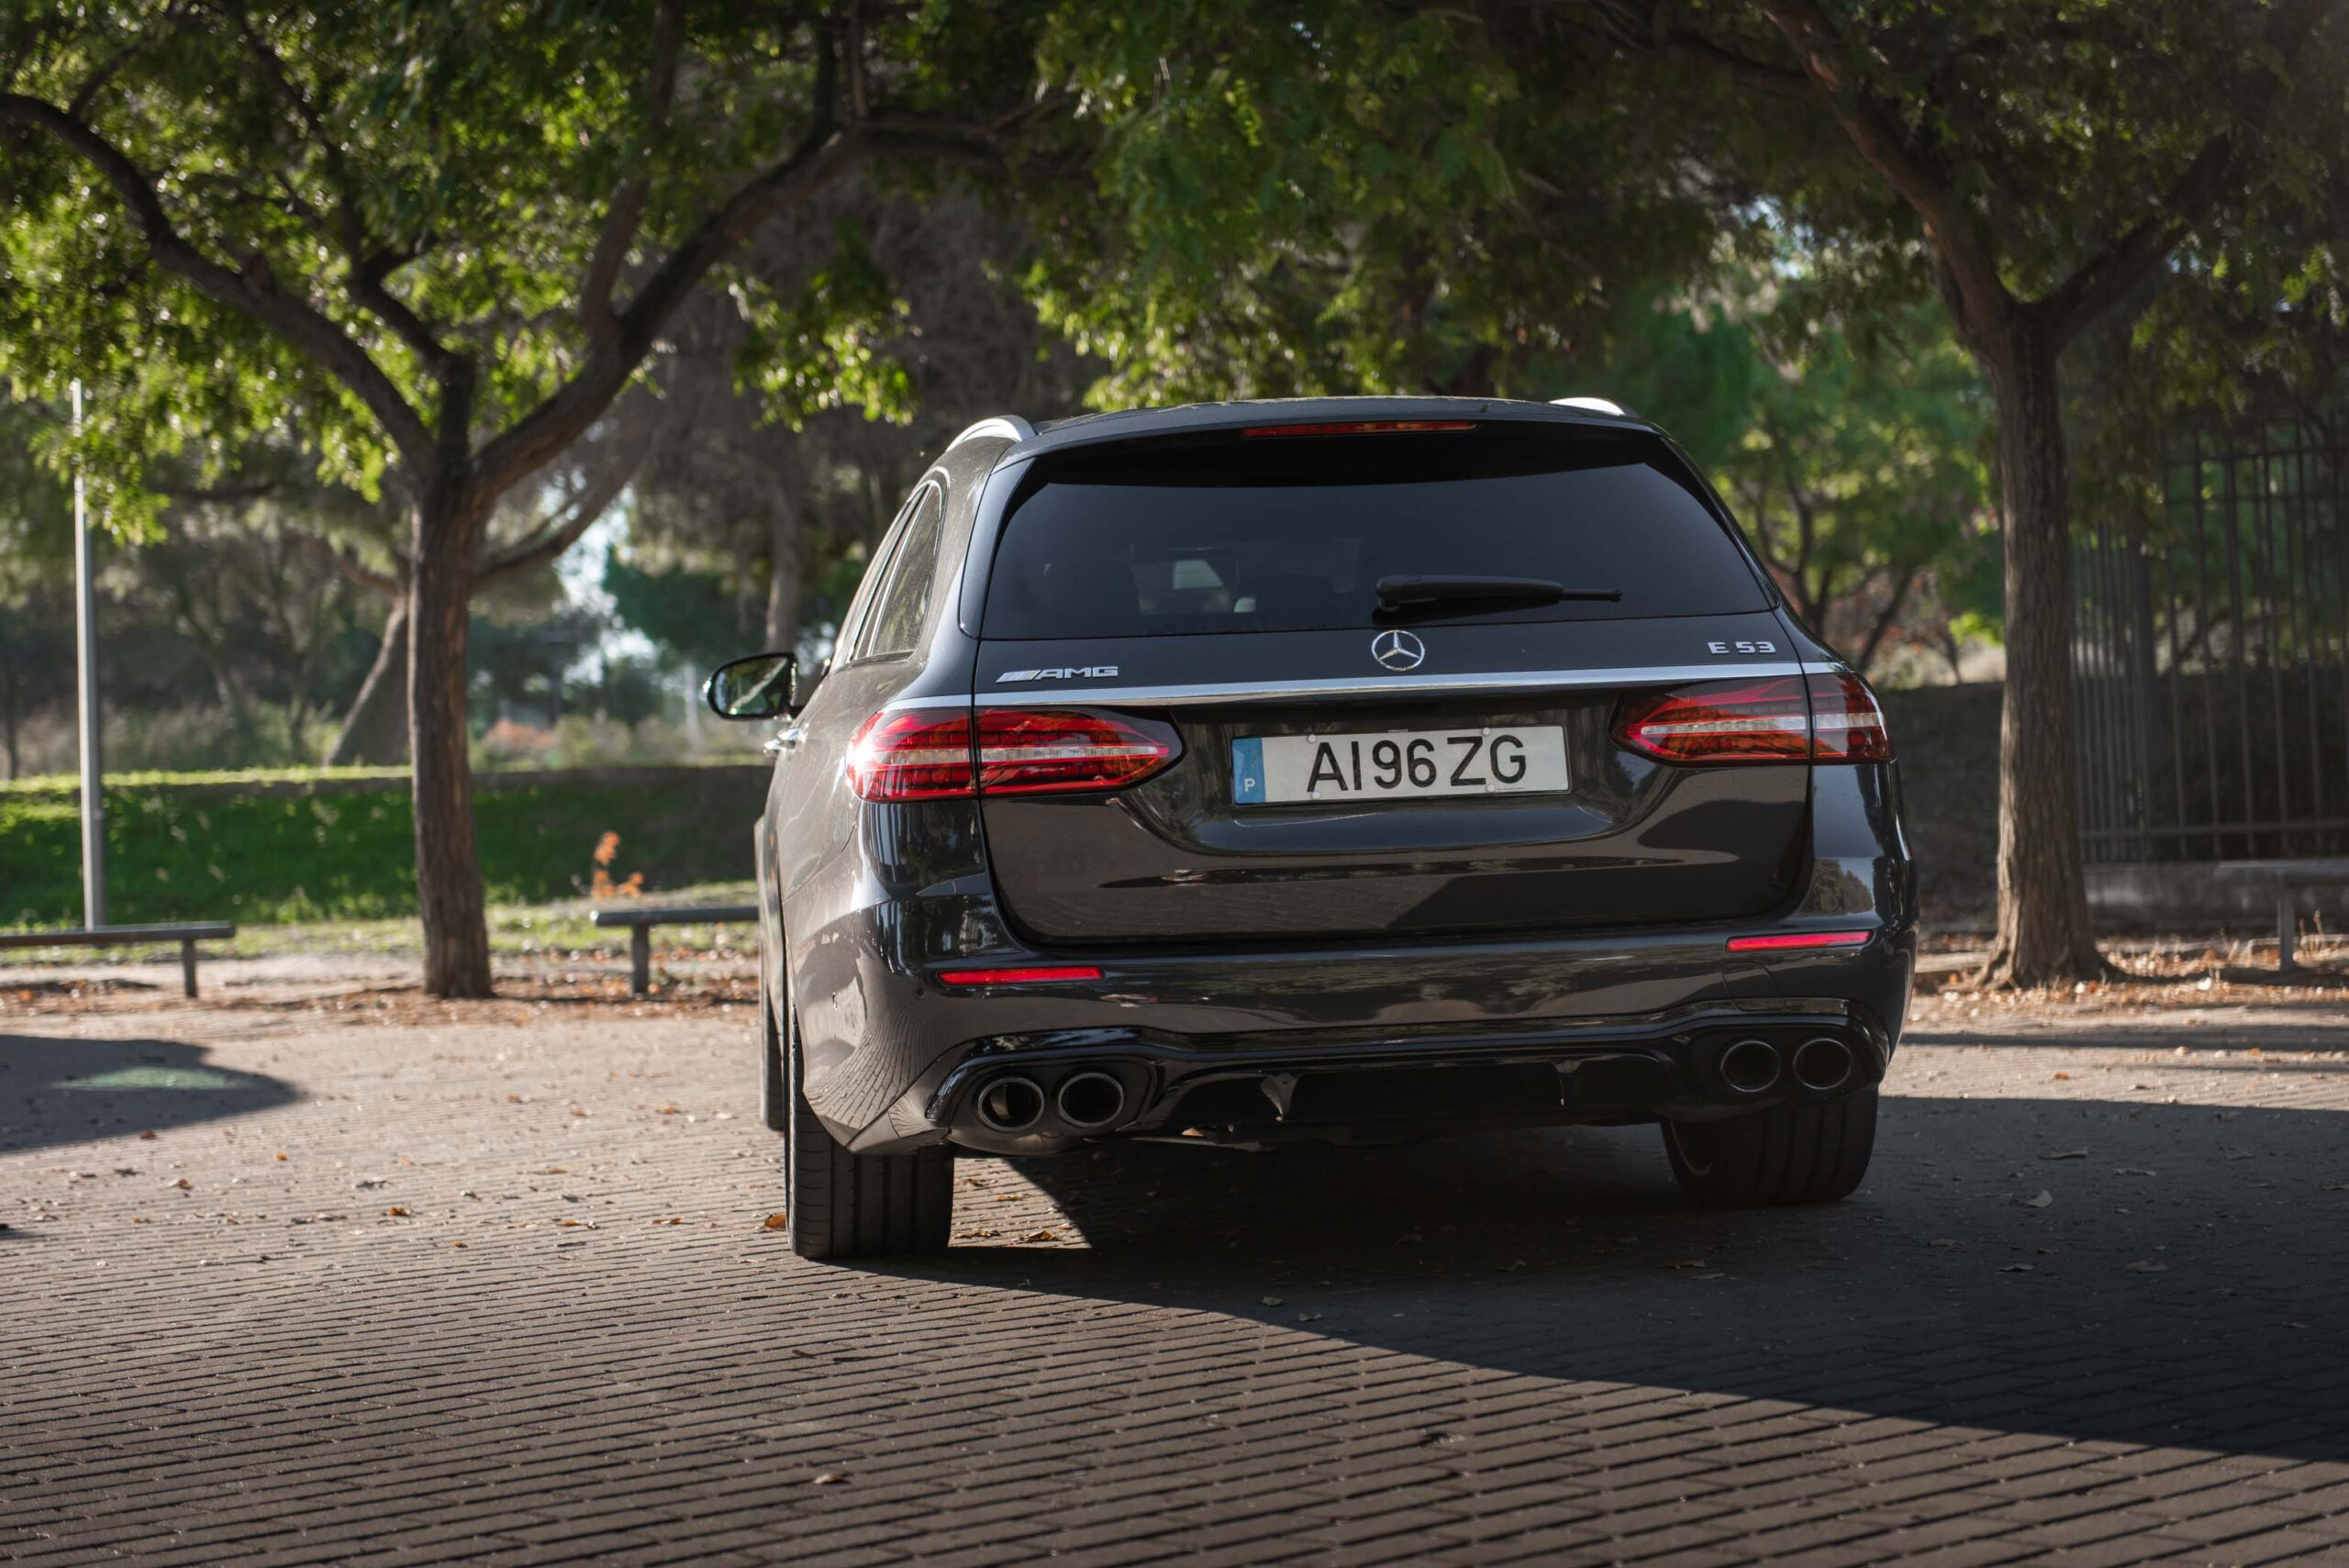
pixel 1847 725
pixel 1358 428
pixel 916 756
pixel 1790 718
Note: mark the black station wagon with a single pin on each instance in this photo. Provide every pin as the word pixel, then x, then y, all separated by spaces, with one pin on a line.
pixel 1339 769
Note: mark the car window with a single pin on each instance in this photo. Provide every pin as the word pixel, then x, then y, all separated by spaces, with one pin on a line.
pixel 848 644
pixel 1234 534
pixel 902 607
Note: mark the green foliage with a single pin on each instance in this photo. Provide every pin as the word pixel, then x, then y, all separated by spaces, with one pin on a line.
pixel 690 613
pixel 370 189
pixel 301 844
pixel 1316 197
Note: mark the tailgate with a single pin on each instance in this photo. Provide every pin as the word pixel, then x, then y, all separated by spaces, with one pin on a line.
pixel 1627 840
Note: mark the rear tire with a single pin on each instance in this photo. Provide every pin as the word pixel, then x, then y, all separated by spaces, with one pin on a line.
pixel 1788 1155
pixel 840 1205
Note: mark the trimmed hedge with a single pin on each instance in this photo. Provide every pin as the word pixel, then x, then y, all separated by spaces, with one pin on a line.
pixel 307 844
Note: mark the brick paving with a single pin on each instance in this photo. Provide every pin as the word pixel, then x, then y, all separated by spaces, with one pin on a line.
pixel 494 1288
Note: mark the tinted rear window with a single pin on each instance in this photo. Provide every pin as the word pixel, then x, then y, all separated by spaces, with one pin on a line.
pixel 1292 533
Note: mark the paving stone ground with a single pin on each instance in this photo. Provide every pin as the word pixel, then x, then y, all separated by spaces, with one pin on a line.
pixel 293 1280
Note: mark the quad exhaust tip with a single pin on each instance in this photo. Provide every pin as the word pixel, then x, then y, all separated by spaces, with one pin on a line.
pixel 1750 1066
pixel 1822 1063
pixel 1090 1100
pixel 1011 1103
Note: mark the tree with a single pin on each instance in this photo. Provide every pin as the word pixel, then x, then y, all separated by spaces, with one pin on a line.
pixel 1861 472
pixel 2048 161
pixel 1287 197
pixel 444 236
pixel 768 480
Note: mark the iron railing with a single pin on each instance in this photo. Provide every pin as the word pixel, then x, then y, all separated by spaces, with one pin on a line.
pixel 2211 656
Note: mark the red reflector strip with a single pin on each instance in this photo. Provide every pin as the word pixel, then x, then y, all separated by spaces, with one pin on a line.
pixel 1034 975
pixel 1780 942
pixel 1360 427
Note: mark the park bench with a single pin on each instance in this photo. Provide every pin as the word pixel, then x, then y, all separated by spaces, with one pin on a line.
pixel 640 918
pixel 186 935
pixel 2288 878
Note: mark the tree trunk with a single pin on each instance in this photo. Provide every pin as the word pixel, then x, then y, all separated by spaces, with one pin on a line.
pixel 785 577
pixel 376 730
pixel 449 518
pixel 2043 932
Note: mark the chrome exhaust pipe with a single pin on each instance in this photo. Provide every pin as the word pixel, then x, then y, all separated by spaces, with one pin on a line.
pixel 1823 1061
pixel 1750 1066
pixel 1091 1100
pixel 1011 1104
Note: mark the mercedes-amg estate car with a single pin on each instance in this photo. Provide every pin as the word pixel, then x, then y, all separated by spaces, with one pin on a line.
pixel 1347 769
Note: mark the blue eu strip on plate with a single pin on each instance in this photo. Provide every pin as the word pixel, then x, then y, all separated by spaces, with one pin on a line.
pixel 1248 772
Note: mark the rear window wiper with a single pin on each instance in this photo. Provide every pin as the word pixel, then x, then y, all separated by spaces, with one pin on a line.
pixel 1466 594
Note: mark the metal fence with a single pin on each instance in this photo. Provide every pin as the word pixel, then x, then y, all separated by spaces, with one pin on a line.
pixel 2210 657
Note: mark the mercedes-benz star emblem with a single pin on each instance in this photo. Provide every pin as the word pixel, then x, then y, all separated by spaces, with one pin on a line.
pixel 1398 649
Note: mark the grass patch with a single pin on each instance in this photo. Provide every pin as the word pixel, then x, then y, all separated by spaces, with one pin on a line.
pixel 312 846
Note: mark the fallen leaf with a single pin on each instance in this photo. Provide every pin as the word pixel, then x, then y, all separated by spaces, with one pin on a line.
pixel 2132 1171
pixel 1272 1301
pixel 396 1212
pixel 183 1184
pixel 2040 1199
pixel 280 1156
pixel 830 1478
pixel 2017 1268
pixel 2063 1077
pixel 1309 1316
pixel 666 1110
pixel 147 1136
pixel 367 1184
pixel 1041 1236
pixel 2147 1266
pixel 2064 1154
pixel 774 1222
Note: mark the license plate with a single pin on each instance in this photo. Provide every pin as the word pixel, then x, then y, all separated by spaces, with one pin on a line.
pixel 1399 764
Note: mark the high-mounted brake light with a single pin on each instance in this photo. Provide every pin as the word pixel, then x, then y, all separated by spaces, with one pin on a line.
pixel 1788 718
pixel 1034 974
pixel 1781 941
pixel 1360 427
pixel 919 756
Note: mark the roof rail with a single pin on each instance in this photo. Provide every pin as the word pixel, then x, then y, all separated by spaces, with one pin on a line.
pixel 1010 427
pixel 1593 405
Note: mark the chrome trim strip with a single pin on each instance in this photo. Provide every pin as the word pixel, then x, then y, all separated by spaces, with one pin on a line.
pixel 1344 686
pixel 1010 426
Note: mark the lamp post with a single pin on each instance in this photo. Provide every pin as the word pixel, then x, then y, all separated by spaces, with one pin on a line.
pixel 85 640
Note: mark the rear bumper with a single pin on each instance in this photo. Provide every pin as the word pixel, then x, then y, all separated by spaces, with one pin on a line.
pixel 1589 1026
pixel 1701 1061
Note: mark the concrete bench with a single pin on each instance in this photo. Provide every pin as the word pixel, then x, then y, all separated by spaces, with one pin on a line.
pixel 186 935
pixel 2288 878
pixel 642 917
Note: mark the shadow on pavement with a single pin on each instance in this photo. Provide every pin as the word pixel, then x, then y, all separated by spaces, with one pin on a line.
pixel 55 1091
pixel 2181 1283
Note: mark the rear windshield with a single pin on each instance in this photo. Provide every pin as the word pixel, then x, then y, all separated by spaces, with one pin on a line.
pixel 1293 532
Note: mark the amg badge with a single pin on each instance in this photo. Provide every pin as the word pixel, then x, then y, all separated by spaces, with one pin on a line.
pixel 1067 672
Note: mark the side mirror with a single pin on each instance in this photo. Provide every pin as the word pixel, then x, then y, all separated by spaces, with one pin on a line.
pixel 765 686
